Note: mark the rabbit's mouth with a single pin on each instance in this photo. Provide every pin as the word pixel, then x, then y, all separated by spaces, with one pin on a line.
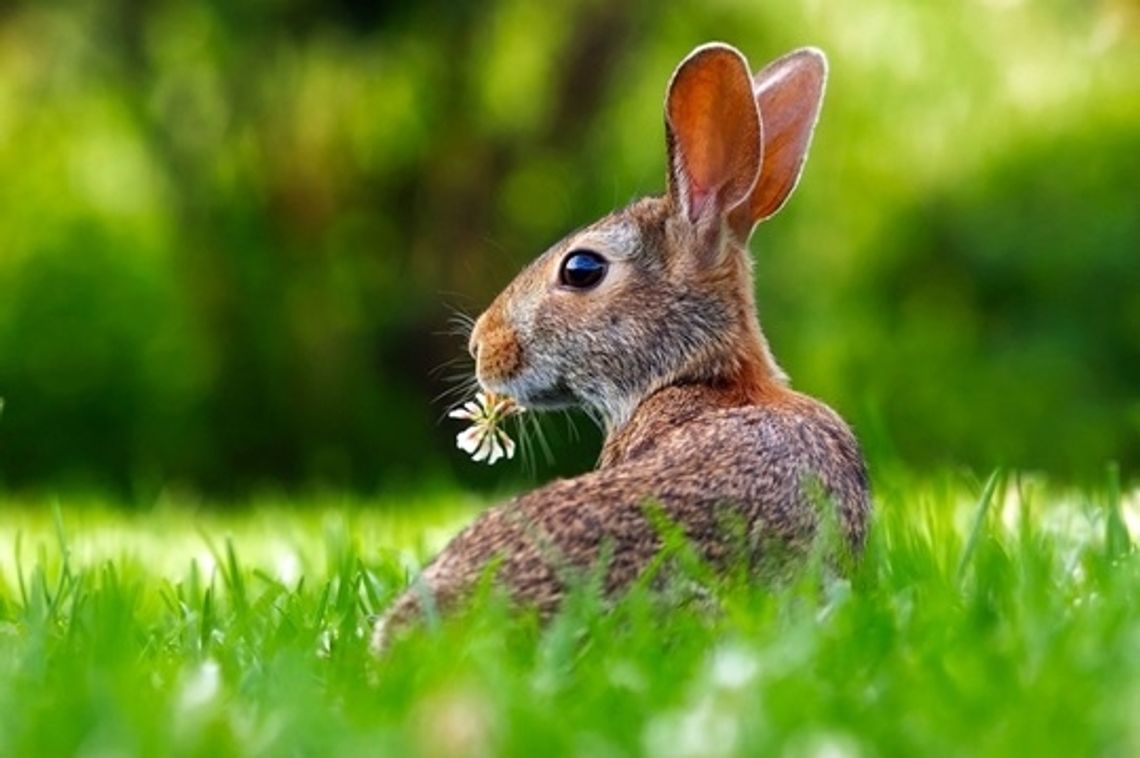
pixel 551 398
pixel 534 394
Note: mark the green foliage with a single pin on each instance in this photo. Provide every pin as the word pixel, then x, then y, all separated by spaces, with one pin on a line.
pixel 987 624
pixel 230 234
pixel 1012 301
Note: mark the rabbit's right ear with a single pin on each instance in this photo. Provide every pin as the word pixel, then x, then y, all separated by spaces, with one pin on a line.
pixel 789 92
pixel 712 129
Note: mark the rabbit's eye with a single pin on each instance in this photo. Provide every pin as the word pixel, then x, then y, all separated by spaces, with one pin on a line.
pixel 582 269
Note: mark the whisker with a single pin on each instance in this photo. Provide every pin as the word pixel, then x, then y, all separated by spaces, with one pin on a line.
pixel 526 448
pixel 454 397
pixel 459 317
pixel 458 372
pixel 465 376
pixel 459 324
pixel 459 333
pixel 544 445
pixel 458 379
pixel 449 364
pixel 459 394
pixel 571 426
pixel 596 417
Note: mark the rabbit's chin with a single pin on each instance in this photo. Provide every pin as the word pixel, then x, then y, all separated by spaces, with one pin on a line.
pixel 535 394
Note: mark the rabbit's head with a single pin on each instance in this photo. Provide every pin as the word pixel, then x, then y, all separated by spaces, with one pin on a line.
pixel 661 292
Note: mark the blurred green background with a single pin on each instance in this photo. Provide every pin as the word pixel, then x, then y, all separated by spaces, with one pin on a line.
pixel 231 233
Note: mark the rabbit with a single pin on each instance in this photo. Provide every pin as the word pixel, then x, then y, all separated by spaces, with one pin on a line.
pixel 647 320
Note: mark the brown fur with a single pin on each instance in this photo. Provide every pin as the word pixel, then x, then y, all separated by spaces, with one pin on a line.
pixel 668 352
pixel 501 355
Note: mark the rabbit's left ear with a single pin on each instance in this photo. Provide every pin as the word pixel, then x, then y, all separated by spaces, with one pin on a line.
pixel 712 130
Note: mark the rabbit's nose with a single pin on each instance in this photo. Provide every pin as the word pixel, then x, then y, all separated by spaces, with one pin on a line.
pixel 473 341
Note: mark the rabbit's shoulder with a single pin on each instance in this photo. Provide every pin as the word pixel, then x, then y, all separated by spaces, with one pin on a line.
pixel 778 454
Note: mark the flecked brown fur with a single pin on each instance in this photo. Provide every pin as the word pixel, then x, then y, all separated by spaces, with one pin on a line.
pixel 668 352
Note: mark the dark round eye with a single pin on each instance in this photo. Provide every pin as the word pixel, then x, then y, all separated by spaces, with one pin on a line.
pixel 582 269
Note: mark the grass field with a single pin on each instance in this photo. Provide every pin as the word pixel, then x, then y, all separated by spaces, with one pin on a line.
pixel 974 625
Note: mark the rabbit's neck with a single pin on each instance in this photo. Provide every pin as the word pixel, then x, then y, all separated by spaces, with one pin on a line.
pixel 677 404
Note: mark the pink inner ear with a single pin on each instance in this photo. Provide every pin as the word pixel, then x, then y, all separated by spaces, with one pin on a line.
pixel 789 92
pixel 698 200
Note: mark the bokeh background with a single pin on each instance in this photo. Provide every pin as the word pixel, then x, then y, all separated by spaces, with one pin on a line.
pixel 232 233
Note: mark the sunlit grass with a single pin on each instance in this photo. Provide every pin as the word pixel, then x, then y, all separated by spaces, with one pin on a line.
pixel 983 619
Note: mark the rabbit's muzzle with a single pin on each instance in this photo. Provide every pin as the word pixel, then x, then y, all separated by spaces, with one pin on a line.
pixel 495 348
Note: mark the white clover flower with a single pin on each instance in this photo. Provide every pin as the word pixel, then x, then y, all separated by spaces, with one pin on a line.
pixel 485 439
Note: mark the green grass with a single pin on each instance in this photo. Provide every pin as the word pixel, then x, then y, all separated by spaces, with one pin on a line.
pixel 1006 623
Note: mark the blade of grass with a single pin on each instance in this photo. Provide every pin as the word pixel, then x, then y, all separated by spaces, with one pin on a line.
pixel 1117 541
pixel 235 580
pixel 17 550
pixel 980 511
pixel 65 583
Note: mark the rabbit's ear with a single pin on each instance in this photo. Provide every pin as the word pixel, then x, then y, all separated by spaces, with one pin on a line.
pixel 713 134
pixel 789 92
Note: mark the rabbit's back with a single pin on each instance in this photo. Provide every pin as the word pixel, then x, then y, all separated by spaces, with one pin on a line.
pixel 779 462
pixel 769 469
pixel 777 465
